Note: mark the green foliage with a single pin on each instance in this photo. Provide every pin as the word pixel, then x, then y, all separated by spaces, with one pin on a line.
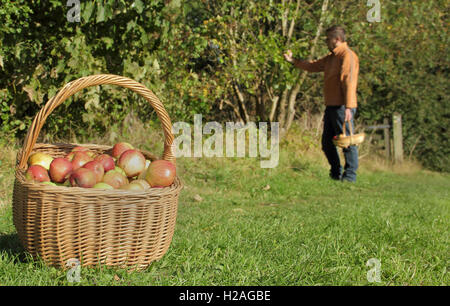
pixel 195 54
pixel 404 68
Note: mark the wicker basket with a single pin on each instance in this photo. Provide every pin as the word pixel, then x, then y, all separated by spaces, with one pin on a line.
pixel 95 226
pixel 345 141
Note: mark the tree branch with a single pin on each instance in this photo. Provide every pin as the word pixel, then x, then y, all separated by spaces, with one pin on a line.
pixel 296 89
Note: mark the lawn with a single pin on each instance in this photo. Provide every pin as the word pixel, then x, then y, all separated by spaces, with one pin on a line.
pixel 239 224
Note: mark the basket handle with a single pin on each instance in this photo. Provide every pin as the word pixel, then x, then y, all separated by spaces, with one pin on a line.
pixel 101 79
pixel 350 128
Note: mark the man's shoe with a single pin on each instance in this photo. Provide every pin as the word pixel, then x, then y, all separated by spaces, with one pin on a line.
pixel 344 180
pixel 336 178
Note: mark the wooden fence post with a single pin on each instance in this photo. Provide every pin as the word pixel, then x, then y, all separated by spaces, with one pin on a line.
pixel 387 139
pixel 398 138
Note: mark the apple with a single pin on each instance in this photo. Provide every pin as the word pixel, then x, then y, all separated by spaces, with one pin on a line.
pixel 37 173
pixel 115 179
pixel 119 148
pixel 120 170
pixel 77 149
pixel 41 159
pixel 71 154
pixel 49 183
pixel 106 161
pixel 60 170
pixel 132 187
pixel 143 183
pixel 65 184
pixel 97 167
pixel 80 159
pixel 83 177
pixel 160 173
pixel 132 162
pixel 103 185
pixel 142 175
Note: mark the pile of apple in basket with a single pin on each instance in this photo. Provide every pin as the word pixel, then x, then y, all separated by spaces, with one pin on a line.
pixel 126 169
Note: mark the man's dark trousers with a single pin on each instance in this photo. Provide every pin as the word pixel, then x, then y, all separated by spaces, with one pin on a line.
pixel 332 126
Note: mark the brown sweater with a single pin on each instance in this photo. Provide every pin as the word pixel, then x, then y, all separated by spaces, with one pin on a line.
pixel 340 67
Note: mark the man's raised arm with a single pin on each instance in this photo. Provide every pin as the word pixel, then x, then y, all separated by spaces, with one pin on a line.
pixel 311 66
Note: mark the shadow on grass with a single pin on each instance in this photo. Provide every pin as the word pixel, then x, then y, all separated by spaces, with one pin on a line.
pixel 10 244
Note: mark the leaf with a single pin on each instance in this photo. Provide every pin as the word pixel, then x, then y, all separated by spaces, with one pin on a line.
pixel 30 92
pixel 87 11
pixel 139 6
pixel 267 187
pixel 100 12
pixel 108 42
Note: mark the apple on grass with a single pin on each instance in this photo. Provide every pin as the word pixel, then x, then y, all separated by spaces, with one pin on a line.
pixel 132 162
pixel 37 173
pixel 107 162
pixel 115 179
pixel 41 159
pixel 60 170
pixel 119 148
pixel 83 177
pixel 160 173
pixel 98 169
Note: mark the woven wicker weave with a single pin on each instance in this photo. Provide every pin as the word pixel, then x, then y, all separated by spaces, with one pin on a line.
pixel 345 141
pixel 96 226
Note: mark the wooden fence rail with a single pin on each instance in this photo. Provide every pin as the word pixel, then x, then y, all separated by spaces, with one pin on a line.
pixel 397 142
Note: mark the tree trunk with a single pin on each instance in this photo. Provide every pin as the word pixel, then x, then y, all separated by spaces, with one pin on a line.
pixel 286 122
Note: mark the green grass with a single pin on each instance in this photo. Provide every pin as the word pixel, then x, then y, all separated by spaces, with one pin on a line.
pixel 305 230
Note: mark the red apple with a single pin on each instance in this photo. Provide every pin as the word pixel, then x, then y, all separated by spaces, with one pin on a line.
pixel 41 159
pixel 119 148
pixel 98 169
pixel 106 161
pixel 77 149
pixel 60 170
pixel 37 173
pixel 80 159
pixel 115 179
pixel 160 173
pixel 132 162
pixel 71 155
pixel 83 177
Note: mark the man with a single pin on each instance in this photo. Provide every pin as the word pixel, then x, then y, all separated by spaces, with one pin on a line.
pixel 340 67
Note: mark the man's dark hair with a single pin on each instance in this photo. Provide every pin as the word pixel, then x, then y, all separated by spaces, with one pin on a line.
pixel 336 32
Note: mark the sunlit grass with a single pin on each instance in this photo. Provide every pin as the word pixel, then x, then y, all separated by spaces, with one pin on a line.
pixel 240 224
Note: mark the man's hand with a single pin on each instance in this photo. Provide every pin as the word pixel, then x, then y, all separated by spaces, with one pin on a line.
pixel 288 56
pixel 348 114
